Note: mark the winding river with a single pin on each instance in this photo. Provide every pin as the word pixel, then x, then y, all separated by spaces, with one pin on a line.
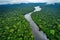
pixel 39 35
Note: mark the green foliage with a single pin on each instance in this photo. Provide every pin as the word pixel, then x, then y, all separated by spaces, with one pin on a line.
pixel 52 32
pixel 48 20
pixel 13 25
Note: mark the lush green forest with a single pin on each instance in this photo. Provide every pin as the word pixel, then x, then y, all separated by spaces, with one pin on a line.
pixel 48 20
pixel 13 25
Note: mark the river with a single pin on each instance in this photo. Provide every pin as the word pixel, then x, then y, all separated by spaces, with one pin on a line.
pixel 39 35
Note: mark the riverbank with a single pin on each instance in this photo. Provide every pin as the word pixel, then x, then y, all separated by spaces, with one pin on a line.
pixel 39 35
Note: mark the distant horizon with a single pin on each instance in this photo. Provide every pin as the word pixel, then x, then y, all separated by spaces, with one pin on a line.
pixel 28 1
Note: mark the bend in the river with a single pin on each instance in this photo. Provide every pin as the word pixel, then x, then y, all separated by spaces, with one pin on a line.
pixel 39 35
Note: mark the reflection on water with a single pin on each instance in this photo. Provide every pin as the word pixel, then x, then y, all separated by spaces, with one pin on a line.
pixel 37 8
pixel 39 35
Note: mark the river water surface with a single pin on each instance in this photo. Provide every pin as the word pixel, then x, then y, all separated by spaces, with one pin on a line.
pixel 39 35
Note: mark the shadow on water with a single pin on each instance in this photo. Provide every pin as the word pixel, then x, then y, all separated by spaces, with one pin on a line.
pixel 39 35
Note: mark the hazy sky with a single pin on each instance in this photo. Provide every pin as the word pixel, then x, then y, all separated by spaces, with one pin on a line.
pixel 27 1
